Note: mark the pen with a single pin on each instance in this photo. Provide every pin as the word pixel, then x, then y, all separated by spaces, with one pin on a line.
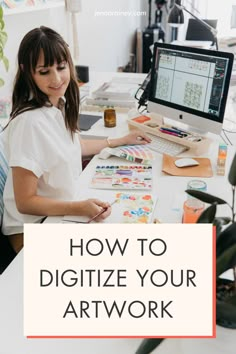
pixel 174 130
pixel 172 133
pixel 180 130
pixel 100 212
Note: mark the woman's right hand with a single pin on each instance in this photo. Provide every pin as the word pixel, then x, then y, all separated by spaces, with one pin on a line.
pixel 92 207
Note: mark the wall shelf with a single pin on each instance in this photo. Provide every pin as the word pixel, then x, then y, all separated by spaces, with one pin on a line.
pixel 41 7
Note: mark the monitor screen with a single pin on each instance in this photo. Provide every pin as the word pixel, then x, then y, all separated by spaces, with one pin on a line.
pixel 190 85
pixel 196 31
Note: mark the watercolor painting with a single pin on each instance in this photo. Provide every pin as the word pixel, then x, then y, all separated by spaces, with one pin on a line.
pixel 135 208
pixel 122 177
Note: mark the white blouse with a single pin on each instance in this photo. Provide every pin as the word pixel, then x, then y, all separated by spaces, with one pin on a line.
pixel 38 141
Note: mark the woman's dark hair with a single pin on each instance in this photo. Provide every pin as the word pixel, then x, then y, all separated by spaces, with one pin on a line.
pixel 26 95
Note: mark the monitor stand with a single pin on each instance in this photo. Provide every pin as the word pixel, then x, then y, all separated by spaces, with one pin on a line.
pixel 184 126
pixel 155 124
pixel 229 125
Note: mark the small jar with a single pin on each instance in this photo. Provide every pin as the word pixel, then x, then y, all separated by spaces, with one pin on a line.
pixel 109 118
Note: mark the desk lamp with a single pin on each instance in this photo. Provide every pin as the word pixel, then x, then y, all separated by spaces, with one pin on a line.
pixel 176 18
pixel 74 6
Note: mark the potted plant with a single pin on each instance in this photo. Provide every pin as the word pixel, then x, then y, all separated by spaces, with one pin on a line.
pixel 226 259
pixel 3 40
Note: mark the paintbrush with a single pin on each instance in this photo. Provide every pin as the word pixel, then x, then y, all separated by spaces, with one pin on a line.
pixel 101 211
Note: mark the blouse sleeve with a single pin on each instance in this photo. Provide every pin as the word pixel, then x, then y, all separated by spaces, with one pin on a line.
pixel 29 144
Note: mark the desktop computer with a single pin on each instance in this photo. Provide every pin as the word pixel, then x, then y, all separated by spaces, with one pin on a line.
pixel 190 85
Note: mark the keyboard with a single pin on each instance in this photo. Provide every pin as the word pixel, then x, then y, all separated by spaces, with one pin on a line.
pixel 164 146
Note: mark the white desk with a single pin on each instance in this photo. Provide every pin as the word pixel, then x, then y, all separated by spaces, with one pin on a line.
pixel 170 192
pixel 11 290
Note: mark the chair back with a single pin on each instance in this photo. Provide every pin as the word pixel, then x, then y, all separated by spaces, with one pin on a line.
pixel 6 252
pixel 3 175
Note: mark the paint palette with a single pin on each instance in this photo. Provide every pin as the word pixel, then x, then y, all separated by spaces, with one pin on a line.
pixel 134 153
pixel 122 177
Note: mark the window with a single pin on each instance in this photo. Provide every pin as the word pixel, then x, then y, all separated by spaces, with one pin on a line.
pixel 220 10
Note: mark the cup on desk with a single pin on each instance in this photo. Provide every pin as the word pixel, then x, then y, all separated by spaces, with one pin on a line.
pixel 197 185
pixel 109 118
pixel 192 210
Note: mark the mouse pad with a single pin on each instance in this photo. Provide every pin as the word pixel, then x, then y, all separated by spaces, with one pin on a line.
pixel 204 168
pixel 86 121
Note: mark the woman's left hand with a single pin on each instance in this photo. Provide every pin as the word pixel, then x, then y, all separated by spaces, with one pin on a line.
pixel 136 137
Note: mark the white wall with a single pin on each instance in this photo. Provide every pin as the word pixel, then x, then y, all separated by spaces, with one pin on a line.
pixel 104 41
pixel 222 12
pixel 17 25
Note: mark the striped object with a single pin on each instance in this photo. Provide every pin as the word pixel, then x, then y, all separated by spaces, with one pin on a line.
pixel 3 175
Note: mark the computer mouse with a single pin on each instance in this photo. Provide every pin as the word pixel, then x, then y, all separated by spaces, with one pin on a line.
pixel 186 162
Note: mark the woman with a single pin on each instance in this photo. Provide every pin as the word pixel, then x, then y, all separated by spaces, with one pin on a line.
pixel 41 141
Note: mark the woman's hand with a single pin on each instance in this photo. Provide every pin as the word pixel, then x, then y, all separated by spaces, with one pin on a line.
pixel 92 147
pixel 92 207
pixel 136 137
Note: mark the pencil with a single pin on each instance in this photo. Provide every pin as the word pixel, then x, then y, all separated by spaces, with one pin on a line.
pixel 101 211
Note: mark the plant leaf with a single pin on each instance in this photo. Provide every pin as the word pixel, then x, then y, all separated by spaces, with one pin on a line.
pixel 208 215
pixel 225 313
pixel 218 223
pixel 6 63
pixel 2 24
pixel 1 82
pixel 226 260
pixel 1 12
pixel 223 220
pixel 232 172
pixel 205 197
pixel 231 300
pixel 218 226
pixel 148 345
pixel 3 38
pixel 226 239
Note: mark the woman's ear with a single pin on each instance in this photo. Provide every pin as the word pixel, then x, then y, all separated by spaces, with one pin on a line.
pixel 22 67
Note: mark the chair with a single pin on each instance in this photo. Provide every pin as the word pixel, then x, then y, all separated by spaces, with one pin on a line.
pixel 7 254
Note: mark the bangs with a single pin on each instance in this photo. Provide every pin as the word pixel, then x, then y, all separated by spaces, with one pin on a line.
pixel 53 52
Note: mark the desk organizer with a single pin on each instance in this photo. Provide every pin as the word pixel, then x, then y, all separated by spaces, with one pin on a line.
pixel 153 124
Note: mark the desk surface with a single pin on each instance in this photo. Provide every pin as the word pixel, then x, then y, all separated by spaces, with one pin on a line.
pixel 12 339
pixel 170 194
pixel 11 323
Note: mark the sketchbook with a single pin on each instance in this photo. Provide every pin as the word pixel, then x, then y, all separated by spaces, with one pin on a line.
pixel 129 208
pixel 122 177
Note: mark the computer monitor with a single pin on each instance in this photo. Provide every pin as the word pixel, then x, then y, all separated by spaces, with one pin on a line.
pixel 190 85
pixel 196 31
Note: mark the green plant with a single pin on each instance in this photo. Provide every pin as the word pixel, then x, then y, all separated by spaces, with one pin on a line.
pixel 225 258
pixel 3 40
